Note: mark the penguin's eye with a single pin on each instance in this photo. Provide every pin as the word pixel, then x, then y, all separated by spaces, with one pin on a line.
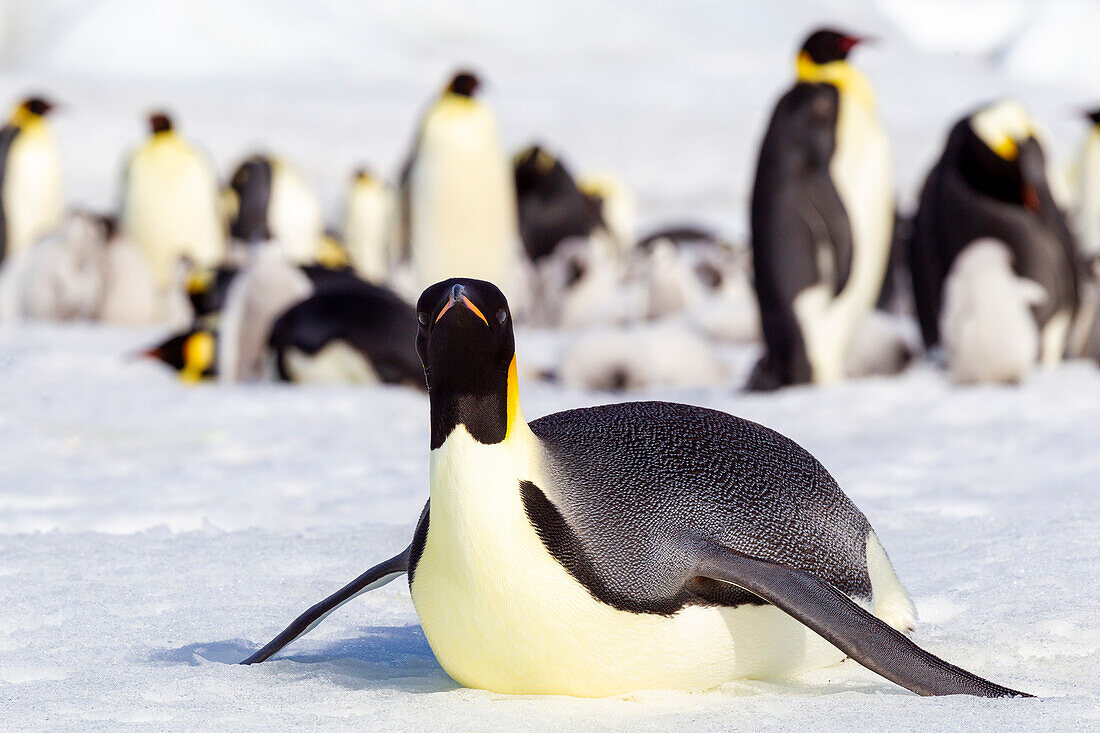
pixel 423 318
pixel 502 316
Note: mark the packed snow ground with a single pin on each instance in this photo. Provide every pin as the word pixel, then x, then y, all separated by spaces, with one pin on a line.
pixel 151 535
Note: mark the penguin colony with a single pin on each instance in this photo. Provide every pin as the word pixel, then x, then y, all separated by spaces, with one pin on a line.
pixel 649 545
pixel 826 284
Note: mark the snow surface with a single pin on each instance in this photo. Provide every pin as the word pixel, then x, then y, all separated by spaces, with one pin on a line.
pixel 151 534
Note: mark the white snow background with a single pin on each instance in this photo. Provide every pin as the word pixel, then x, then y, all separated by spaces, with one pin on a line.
pixel 152 534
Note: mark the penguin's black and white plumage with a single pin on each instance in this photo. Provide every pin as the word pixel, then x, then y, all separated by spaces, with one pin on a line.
pixel 347 332
pixel 1086 211
pixel 552 208
pixel 626 547
pixel 171 206
pixel 991 181
pixel 370 226
pixel 31 195
pixel 354 332
pixel 457 193
pixel 273 201
pixel 822 216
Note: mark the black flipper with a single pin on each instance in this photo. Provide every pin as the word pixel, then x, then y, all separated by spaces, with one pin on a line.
pixel 376 577
pixel 847 626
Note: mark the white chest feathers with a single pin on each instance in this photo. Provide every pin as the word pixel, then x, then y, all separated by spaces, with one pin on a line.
pixel 988 329
pixel 463 210
pixel 502 614
pixel 171 206
pixel 861 172
pixel 33 196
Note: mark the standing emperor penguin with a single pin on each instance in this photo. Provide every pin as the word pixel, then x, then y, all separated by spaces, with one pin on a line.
pixel 171 206
pixel 370 226
pixel 273 201
pixel 458 196
pixel 991 181
pixel 628 547
pixel 1086 213
pixel 822 216
pixel 31 196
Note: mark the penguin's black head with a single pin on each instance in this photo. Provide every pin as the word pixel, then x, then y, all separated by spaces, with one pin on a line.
pixel 536 169
pixel 1093 115
pixel 467 346
pixel 464 84
pixel 191 353
pixel 38 105
pixel 160 122
pixel 826 45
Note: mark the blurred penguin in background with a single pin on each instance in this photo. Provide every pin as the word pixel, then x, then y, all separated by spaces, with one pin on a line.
pixel 581 284
pixel 31 195
pixel 1085 332
pixel 552 208
pixel 822 216
pixel 348 332
pixel 987 325
pixel 352 333
pixel 60 278
pixel 616 206
pixel 263 290
pixel 1086 211
pixel 991 181
pixel 130 292
pixel 691 272
pixel 192 353
pixel 458 196
pixel 171 207
pixel 370 219
pixel 86 270
pixel 273 201
pixel 640 356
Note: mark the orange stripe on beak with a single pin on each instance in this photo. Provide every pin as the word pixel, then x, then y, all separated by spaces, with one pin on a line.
pixel 466 302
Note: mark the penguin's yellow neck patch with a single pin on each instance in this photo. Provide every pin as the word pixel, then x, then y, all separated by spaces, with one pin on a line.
pixel 198 355
pixel 24 119
pixel 515 414
pixel 841 74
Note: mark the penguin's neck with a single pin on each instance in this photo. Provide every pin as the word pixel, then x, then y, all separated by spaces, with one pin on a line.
pixel 27 121
pixel 846 78
pixel 471 474
pixel 489 416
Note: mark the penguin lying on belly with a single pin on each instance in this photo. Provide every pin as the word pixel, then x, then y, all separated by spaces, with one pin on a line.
pixel 625 547
pixel 991 181
pixel 351 333
pixel 347 333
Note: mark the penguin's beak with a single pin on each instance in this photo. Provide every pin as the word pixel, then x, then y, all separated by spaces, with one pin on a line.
pixel 458 296
pixel 850 42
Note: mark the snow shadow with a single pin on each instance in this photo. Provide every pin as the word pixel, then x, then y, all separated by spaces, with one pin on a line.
pixel 396 657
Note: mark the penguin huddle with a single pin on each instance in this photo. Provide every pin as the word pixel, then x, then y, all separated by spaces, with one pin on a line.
pixel 825 254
